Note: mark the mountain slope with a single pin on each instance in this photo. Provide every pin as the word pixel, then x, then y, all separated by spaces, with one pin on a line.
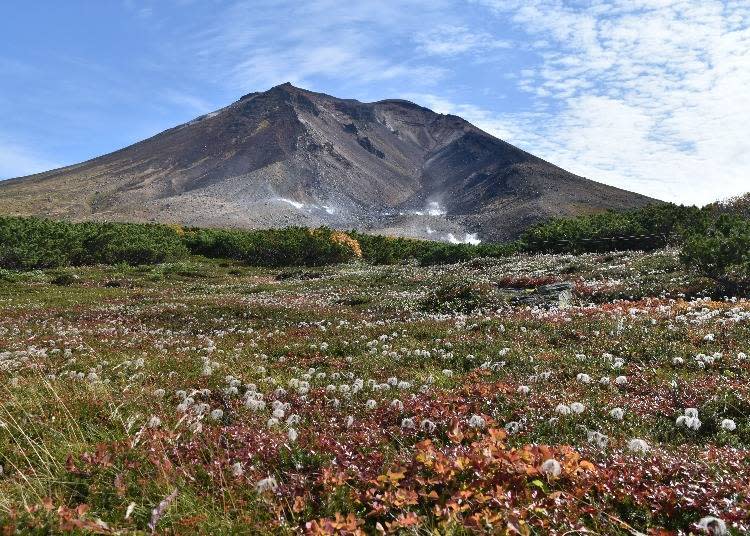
pixel 289 156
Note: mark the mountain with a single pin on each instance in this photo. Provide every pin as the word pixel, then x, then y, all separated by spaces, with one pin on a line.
pixel 288 156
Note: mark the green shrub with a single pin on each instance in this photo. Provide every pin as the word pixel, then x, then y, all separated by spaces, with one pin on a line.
pixel 29 243
pixel 393 250
pixel 456 298
pixel 648 228
pixel 439 253
pixel 721 252
pixel 291 246
pixel 64 279
pixel 378 249
pixel 131 244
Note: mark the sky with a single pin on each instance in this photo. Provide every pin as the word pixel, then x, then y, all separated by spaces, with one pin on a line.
pixel 648 95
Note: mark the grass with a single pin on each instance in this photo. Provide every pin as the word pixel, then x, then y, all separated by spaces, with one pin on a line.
pixel 109 396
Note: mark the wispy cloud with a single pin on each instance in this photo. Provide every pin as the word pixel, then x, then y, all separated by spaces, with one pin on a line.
pixel 187 101
pixel 642 92
pixel 260 43
pixel 452 40
pixel 504 127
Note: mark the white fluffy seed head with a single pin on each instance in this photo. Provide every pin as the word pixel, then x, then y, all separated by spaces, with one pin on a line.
pixel 729 425
pixel 713 525
pixel 237 469
pixel 476 421
pixel 577 408
pixel 551 467
pixel 638 446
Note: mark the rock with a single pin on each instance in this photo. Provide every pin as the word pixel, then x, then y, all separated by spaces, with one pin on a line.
pixel 553 295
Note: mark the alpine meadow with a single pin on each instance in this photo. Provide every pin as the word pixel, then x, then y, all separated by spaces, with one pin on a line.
pixel 396 267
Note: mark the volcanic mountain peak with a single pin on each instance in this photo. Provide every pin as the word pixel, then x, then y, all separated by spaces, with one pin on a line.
pixel 289 156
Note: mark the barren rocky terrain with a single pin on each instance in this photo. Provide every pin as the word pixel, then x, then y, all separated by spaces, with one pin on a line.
pixel 289 156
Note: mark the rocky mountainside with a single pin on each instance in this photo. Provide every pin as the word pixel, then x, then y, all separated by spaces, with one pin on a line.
pixel 289 156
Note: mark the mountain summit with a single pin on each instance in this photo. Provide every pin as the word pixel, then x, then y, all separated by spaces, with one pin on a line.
pixel 288 156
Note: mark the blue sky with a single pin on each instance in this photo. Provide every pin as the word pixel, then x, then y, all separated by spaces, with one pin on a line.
pixel 648 95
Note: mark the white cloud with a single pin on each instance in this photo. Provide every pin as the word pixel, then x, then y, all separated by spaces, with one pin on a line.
pixel 505 127
pixel 649 94
pixel 17 161
pixel 451 40
pixel 259 44
pixel 190 102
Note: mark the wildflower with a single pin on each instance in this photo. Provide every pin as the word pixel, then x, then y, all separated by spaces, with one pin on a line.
pixel 729 425
pixel 448 373
pixel 254 404
pixel 476 421
pixel 267 484
pixel 159 393
pixel 677 361
pixel 617 414
pixel 397 404
pixel 427 426
pixel 638 446
pixel 407 422
pixel 292 435
pixel 513 427
pixel 604 380
pixel 237 469
pixel 349 421
pixel 523 390
pixel 272 422
pixel 597 438
pixel 217 414
pixel 577 408
pixel 621 380
pixel 371 404
pixel 154 422
pixel 551 467
pixel 293 419
pixel 583 378
pixel 562 409
pixel 278 413
pixel 713 525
